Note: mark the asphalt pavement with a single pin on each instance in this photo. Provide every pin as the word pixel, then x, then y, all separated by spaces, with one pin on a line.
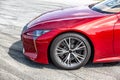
pixel 14 14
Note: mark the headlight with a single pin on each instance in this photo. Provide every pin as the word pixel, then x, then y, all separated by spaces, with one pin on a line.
pixel 37 33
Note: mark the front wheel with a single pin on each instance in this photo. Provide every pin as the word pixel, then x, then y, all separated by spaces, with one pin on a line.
pixel 70 51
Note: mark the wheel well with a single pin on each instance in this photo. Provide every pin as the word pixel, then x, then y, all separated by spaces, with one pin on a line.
pixel 91 44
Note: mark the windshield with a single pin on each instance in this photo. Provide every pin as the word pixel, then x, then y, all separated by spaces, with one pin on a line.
pixel 108 6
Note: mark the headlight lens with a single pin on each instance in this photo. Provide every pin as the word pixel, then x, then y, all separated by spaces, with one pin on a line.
pixel 37 33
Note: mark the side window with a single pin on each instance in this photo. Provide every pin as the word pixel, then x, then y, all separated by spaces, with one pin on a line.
pixel 109 6
pixel 114 5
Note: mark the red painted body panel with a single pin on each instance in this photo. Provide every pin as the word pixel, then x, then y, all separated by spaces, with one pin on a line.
pixel 101 29
pixel 117 37
pixel 65 14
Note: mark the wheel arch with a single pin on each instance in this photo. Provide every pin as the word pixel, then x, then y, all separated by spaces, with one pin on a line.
pixel 80 33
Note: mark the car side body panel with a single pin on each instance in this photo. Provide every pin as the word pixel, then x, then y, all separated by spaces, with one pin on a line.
pixel 98 27
pixel 117 37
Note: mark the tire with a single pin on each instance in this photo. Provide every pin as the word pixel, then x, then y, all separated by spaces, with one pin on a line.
pixel 70 51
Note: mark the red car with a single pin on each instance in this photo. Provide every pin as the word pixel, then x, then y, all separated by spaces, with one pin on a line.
pixel 71 37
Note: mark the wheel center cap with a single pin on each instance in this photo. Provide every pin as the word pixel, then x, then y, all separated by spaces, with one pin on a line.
pixel 70 51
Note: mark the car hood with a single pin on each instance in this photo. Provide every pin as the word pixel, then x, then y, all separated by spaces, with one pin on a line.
pixel 63 14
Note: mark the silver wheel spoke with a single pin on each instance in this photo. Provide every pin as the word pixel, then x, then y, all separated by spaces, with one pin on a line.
pixel 79 45
pixel 79 48
pixel 67 43
pixel 61 53
pixel 71 51
pixel 67 59
pixel 61 49
pixel 76 57
pixel 79 56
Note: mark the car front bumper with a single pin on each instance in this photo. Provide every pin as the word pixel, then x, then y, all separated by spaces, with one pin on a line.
pixel 35 50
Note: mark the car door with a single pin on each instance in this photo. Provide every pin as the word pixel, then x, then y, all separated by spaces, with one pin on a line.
pixel 117 36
